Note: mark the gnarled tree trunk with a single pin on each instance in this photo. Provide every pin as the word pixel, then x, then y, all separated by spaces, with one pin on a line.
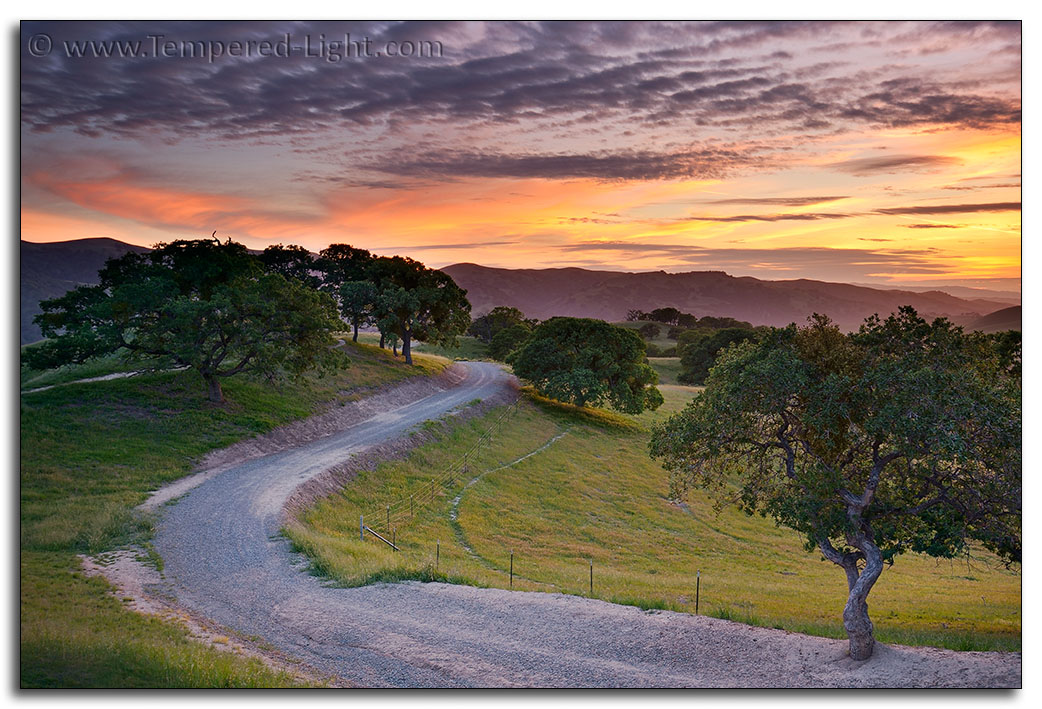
pixel 859 584
pixel 213 388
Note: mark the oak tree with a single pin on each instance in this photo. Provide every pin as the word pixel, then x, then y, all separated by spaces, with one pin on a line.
pixel 588 362
pixel 203 304
pixel 902 437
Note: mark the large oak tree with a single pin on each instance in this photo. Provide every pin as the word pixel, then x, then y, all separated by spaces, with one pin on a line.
pixel 203 304
pixel 902 437
pixel 588 362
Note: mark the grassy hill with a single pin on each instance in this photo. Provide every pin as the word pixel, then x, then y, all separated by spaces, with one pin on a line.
pixel 90 453
pixel 590 492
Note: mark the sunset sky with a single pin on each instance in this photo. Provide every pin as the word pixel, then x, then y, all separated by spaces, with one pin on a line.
pixel 884 153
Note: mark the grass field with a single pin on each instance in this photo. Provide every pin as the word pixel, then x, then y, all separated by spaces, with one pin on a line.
pixel 668 369
pixel 90 453
pixel 593 494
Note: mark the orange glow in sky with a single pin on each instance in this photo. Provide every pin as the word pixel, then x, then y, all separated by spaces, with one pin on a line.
pixel 868 152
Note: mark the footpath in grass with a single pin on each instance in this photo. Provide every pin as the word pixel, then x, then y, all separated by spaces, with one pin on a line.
pixel 561 487
pixel 89 454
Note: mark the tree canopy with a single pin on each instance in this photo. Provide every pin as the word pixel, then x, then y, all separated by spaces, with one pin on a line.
pixel 699 349
pixel 904 436
pixel 416 302
pixel 292 262
pixel 203 304
pixel 487 326
pixel 588 362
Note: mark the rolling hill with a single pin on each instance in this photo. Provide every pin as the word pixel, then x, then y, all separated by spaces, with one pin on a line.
pixel 1005 319
pixel 49 270
pixel 543 293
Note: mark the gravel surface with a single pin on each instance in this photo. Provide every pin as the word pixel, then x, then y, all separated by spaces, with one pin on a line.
pixel 224 559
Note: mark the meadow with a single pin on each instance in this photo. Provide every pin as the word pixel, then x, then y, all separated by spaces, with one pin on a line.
pixel 90 453
pixel 588 492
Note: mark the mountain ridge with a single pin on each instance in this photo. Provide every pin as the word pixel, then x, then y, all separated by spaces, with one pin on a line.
pixel 50 269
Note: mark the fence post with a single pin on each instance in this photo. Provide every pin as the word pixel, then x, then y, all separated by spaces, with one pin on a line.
pixel 511 568
pixel 591 578
pixel 437 554
pixel 361 527
pixel 698 584
pixel 388 516
pixel 394 539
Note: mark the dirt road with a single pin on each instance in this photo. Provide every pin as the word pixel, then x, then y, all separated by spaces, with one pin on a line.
pixel 224 560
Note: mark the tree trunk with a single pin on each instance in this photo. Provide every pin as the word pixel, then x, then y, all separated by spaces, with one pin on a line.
pixel 213 389
pixel 382 338
pixel 855 614
pixel 355 338
pixel 394 348
pixel 406 349
pixel 859 583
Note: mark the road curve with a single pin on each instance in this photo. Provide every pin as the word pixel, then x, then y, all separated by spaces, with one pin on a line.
pixel 223 558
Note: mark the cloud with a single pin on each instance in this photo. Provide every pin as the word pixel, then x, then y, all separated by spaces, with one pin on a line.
pixel 953 208
pixel 893 163
pixel 702 78
pixel 776 201
pixel 932 226
pixel 831 263
pixel 796 217
pixel 701 163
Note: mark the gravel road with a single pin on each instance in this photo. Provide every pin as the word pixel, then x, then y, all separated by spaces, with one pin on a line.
pixel 223 559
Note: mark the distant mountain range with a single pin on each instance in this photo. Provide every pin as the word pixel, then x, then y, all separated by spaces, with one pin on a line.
pixel 608 295
pixel 49 270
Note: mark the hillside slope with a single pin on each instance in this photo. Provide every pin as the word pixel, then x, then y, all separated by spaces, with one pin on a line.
pixel 543 293
pixel 49 270
pixel 1005 319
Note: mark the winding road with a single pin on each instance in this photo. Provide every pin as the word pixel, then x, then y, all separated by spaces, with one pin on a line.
pixel 224 559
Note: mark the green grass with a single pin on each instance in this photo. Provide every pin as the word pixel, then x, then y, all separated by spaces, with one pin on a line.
pixel 116 362
pixel 470 348
pixel 668 369
pixel 595 494
pixel 77 634
pixel 90 453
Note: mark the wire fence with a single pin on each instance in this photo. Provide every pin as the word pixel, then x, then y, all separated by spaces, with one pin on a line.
pixel 404 509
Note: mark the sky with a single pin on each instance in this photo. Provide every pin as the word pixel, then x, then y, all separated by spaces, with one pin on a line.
pixel 872 152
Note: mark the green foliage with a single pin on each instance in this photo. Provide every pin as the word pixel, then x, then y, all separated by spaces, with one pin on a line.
pixel 342 263
pixel 699 349
pixel 507 340
pixel 588 362
pixel 201 304
pixel 358 303
pixel 487 326
pixel 291 262
pixel 902 437
pixel 416 302
pixel 649 331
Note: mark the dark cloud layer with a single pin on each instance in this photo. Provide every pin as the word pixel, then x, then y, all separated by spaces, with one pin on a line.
pixel 953 208
pixel 703 163
pixel 704 79
pixel 892 164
